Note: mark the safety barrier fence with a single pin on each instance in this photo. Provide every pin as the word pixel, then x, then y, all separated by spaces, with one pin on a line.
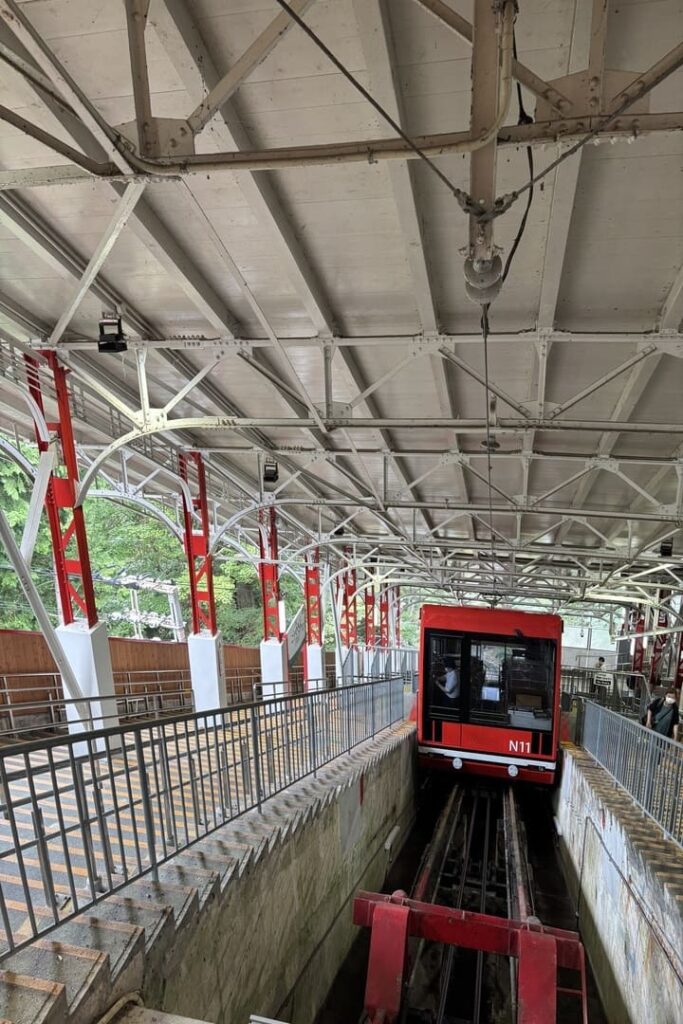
pixel 83 815
pixel 623 691
pixel 644 763
pixel 31 701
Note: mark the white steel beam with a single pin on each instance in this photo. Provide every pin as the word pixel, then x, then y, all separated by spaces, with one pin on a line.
pixel 671 316
pixel 244 66
pixel 372 18
pixel 41 482
pixel 180 37
pixel 635 387
pixel 147 131
pixel 112 232
pixel 145 222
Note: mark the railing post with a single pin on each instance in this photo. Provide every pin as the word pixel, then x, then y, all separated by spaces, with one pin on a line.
pixel 166 782
pixel 146 805
pixel 44 861
pixel 255 742
pixel 84 818
pixel 312 745
pixel 372 707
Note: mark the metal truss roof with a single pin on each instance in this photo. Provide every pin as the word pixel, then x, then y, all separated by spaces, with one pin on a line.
pixel 289 274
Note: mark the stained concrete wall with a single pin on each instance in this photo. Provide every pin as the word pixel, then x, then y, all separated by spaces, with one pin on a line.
pixel 628 885
pixel 273 939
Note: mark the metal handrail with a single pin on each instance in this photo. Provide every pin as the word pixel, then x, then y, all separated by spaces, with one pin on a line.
pixel 120 802
pixel 648 766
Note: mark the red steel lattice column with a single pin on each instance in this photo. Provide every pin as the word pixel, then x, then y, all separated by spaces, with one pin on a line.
pixel 314 625
pixel 197 549
pixel 66 521
pixel 639 648
pixel 369 605
pixel 659 641
pixel 397 615
pixel 384 617
pixel 269 574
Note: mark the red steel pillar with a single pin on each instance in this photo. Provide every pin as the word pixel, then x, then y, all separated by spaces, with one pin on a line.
pixel 66 521
pixel 369 604
pixel 347 653
pixel 313 651
pixel 384 617
pixel 269 574
pixel 397 615
pixel 639 648
pixel 204 644
pixel 274 657
pixel 679 663
pixel 370 653
pixel 82 637
pixel 659 641
pixel 197 542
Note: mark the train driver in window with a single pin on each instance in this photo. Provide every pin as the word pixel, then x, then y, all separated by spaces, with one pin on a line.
pixel 449 679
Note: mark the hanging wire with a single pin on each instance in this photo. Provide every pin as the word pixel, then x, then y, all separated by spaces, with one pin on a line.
pixel 503 203
pixel 522 118
pixel 458 193
pixel 489 466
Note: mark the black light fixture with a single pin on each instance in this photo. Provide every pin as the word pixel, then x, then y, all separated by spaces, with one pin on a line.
pixel 271 471
pixel 666 548
pixel 111 337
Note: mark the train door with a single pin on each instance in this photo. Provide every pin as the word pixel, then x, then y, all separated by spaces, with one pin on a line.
pixel 444 674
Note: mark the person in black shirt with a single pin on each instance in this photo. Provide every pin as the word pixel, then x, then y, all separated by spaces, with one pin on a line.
pixel 662 714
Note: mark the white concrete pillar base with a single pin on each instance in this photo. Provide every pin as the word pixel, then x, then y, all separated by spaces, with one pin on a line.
pixel 274 669
pixel 205 651
pixel 86 648
pixel 314 660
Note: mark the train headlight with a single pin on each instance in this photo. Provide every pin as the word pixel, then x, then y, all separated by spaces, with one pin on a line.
pixel 513 771
pixel 457 763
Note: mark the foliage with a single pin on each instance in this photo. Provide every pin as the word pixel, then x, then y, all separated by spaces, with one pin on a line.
pixel 124 540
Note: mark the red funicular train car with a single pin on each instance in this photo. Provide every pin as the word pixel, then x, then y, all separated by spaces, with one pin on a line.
pixel 489 692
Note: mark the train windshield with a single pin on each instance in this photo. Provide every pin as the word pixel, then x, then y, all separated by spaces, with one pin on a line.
pixel 502 681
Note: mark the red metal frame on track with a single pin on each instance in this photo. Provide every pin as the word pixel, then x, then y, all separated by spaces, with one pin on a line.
pixel 66 521
pixel 539 950
pixel 197 543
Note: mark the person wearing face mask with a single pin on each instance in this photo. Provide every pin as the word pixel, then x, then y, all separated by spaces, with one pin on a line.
pixel 662 714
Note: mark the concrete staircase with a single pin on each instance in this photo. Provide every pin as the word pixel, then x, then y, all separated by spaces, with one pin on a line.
pixel 77 972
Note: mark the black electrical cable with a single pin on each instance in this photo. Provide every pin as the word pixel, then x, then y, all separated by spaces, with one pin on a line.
pixel 523 118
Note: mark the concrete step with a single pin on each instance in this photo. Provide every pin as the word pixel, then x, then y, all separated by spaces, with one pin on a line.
pixel 155 920
pixel 206 883
pixel 222 866
pixel 31 1000
pixel 84 972
pixel 124 944
pixel 182 899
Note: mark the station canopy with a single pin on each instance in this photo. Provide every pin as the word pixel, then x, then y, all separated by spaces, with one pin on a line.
pixel 277 199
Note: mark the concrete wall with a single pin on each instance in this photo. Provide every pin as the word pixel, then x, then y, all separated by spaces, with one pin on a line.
pixel 272 941
pixel 628 884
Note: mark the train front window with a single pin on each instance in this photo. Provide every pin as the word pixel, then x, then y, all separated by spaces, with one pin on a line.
pixel 445 675
pixel 495 681
pixel 511 683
